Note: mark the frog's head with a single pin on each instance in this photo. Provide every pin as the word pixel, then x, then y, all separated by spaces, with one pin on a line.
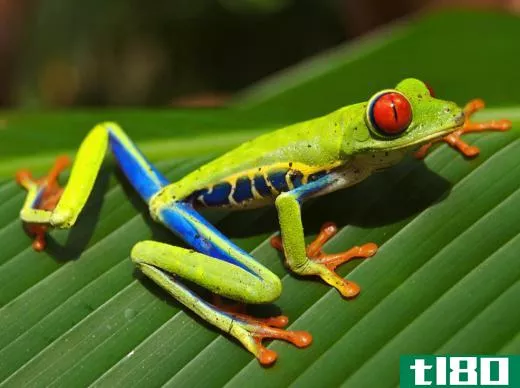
pixel 404 117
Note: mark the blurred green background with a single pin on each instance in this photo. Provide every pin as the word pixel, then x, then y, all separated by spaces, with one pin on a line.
pixel 57 53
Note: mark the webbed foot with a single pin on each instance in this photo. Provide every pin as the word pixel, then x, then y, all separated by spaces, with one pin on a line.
pixel 454 140
pixel 251 331
pixel 324 265
pixel 47 194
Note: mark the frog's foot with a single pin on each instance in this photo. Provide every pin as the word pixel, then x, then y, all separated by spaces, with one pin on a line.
pixel 49 193
pixel 39 232
pixel 454 140
pixel 252 331
pixel 258 329
pixel 324 264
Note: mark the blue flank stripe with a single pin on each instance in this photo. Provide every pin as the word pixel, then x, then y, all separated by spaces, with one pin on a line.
pixel 261 186
pixel 175 217
pixel 147 181
pixel 243 190
pixel 277 179
pixel 218 195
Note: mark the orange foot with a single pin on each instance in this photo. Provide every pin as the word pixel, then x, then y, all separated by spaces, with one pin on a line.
pixel 50 193
pixel 454 140
pixel 271 328
pixel 331 261
pixel 259 329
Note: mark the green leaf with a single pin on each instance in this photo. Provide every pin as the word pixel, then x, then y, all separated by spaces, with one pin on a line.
pixel 445 280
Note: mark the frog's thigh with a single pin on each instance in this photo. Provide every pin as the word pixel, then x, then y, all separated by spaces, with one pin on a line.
pixel 158 260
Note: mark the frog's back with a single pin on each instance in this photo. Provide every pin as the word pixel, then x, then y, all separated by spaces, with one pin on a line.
pixel 254 173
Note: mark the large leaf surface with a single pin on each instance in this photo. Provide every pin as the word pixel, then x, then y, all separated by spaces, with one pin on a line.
pixel 444 281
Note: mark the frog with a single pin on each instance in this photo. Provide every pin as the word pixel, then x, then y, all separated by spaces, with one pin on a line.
pixel 283 168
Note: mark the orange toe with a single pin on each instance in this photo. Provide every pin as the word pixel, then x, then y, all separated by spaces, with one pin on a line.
pixel 351 290
pixel 368 250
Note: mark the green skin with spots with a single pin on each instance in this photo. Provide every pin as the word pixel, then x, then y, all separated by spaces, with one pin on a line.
pixel 343 143
pixel 342 136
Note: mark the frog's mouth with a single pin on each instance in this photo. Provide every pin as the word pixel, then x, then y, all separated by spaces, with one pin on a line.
pixel 457 124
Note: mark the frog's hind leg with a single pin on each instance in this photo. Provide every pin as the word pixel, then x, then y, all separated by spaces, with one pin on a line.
pixel 49 205
pixel 141 174
pixel 165 264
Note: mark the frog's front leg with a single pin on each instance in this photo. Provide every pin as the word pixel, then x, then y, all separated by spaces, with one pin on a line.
pixel 311 260
pixel 221 267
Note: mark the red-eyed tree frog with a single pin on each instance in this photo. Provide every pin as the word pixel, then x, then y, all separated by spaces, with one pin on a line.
pixel 284 168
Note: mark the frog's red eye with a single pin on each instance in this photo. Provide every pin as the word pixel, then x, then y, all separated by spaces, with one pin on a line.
pixel 430 89
pixel 390 113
